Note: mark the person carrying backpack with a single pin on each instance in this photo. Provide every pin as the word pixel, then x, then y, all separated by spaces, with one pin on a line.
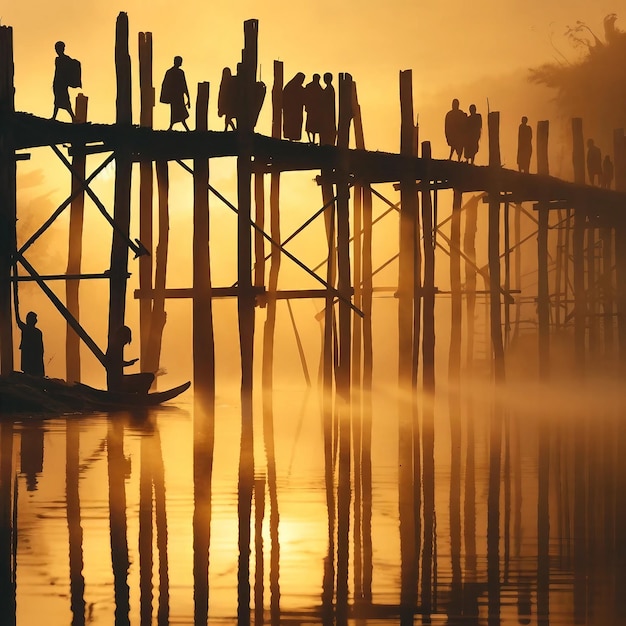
pixel 67 73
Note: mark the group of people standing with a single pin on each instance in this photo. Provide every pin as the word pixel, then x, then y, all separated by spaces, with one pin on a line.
pixel 600 170
pixel 319 104
pixel 463 131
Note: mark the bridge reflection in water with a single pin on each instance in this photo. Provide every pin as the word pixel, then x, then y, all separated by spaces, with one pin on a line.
pixel 138 518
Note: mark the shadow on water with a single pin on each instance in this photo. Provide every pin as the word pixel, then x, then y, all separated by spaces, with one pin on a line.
pixel 519 517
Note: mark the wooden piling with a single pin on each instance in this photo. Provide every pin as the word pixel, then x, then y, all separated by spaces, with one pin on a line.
pixel 146 190
pixel 74 251
pixel 7 199
pixel 619 152
pixel 245 307
pixel 406 346
pixel 494 249
pixel 203 338
pixel 121 210
pixel 469 251
pixel 456 300
pixel 543 294
pixel 580 218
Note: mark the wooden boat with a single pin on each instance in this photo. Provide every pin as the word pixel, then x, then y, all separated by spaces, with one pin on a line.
pixel 21 393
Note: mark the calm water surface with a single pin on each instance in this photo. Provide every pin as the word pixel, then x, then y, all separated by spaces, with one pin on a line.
pixel 105 520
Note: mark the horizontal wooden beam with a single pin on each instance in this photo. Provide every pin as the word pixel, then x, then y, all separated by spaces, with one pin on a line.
pixel 232 292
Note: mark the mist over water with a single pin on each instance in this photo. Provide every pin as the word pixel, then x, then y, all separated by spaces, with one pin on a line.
pixel 112 524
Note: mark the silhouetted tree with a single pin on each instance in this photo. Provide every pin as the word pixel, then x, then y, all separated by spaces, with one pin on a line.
pixel 594 86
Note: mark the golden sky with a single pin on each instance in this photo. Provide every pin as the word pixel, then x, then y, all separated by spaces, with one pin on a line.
pixel 449 45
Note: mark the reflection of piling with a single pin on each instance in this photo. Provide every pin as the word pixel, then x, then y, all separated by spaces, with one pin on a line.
pixel 75 249
pixel 74 527
pixel 116 463
pixel 8 528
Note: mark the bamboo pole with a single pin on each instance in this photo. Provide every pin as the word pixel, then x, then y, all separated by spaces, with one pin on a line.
pixel 7 199
pixel 580 217
pixel 543 295
pixel 74 251
pixel 121 211
pixel 203 337
pixel 146 190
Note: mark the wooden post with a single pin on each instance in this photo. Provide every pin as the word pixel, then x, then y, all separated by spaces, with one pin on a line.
pixel 259 240
pixel 469 250
pixel 245 308
pixel 158 316
pixel 267 372
pixel 7 199
pixel 428 341
pixel 494 248
pixel 456 300
pixel 406 346
pixel 146 189
pixel 543 295
pixel 619 152
pixel 203 340
pixel 74 252
pixel 580 217
pixel 345 337
pixel 121 210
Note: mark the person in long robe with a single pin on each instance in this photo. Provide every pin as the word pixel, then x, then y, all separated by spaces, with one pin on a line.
pixel 524 145
pixel 455 127
pixel 227 99
pixel 175 93
pixel 31 346
pixel 328 134
pixel 474 126
pixel 313 105
pixel 594 162
pixel 62 80
pixel 293 107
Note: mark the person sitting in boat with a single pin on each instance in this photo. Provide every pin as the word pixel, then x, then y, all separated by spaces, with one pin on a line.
pixel 116 379
pixel 31 346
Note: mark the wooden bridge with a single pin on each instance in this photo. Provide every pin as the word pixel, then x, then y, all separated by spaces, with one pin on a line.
pixel 345 173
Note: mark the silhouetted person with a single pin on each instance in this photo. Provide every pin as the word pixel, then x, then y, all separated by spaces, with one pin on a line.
pixel 328 133
pixel 31 346
pixel 175 93
pixel 115 364
pixel 607 172
pixel 67 73
pixel 455 126
pixel 227 99
pixel 524 145
pixel 293 107
pixel 473 129
pixel 313 95
pixel 594 162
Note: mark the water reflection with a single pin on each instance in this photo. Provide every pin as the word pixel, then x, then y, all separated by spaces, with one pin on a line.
pixel 131 519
